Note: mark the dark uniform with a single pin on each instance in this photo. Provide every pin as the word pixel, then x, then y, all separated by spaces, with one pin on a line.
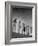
pixel 23 28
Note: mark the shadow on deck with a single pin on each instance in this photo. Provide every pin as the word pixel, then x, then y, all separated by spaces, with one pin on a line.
pixel 17 35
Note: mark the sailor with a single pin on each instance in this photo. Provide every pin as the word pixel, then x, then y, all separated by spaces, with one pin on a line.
pixel 23 30
pixel 27 30
pixel 14 25
pixel 19 26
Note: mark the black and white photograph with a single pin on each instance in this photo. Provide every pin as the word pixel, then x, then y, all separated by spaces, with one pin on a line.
pixel 20 22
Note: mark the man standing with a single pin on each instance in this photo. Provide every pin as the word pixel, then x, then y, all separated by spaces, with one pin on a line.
pixel 19 26
pixel 14 25
pixel 23 30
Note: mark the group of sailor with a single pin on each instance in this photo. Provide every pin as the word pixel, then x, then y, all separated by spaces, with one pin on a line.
pixel 20 27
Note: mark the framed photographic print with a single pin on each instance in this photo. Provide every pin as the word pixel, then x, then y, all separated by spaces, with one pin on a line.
pixel 20 22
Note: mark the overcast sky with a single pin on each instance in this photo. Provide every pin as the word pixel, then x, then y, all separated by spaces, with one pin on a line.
pixel 25 14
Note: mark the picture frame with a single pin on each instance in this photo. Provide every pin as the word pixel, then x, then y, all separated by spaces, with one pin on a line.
pixel 8 22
